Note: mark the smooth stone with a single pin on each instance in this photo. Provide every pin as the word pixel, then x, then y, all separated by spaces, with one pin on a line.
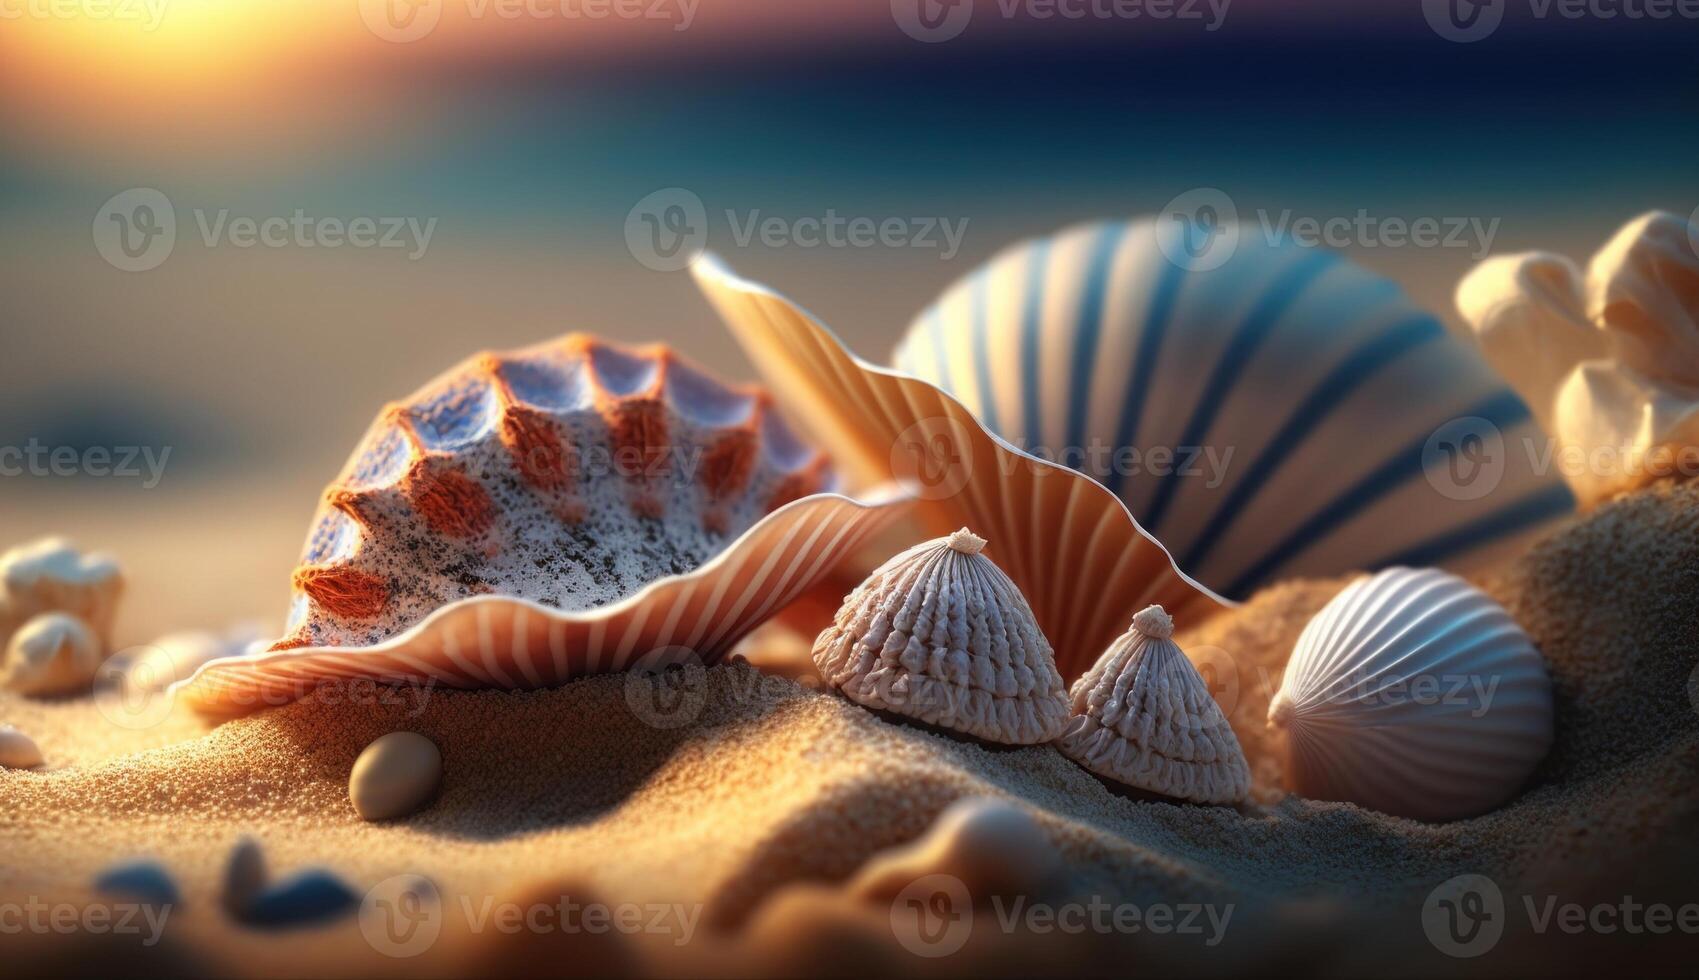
pixel 146 881
pixel 54 653
pixel 311 897
pixel 17 750
pixel 244 877
pixel 394 776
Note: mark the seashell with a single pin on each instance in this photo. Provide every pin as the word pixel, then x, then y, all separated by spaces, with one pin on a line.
pixel 941 635
pixel 534 516
pixel 145 881
pixel 307 898
pixel 1606 360
pixel 54 653
pixel 17 750
pixel 1414 693
pixel 394 776
pixel 989 845
pixel 244 877
pixel 1299 394
pixel 1143 717
pixel 1054 526
pixel 50 575
pixel 1315 407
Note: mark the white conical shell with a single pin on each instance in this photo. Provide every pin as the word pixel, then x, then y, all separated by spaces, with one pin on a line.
pixel 1414 693
pixel 940 634
pixel 1145 718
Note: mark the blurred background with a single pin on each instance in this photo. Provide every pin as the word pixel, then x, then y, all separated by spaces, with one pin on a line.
pixel 499 152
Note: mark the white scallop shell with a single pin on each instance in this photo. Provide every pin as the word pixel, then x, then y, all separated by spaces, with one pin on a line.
pixel 1414 693
pixel 1315 405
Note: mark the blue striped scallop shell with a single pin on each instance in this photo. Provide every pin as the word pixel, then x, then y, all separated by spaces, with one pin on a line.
pixel 1285 413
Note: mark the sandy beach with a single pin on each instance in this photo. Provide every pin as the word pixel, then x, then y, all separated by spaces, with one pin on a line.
pixel 744 800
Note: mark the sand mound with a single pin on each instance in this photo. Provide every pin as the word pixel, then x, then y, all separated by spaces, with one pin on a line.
pixel 752 797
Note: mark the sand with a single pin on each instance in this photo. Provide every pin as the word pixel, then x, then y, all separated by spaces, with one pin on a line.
pixel 769 795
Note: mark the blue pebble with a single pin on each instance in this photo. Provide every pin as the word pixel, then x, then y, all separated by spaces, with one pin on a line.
pixel 308 898
pixel 144 881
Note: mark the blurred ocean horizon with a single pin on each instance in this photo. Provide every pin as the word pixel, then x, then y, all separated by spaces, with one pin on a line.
pixel 524 142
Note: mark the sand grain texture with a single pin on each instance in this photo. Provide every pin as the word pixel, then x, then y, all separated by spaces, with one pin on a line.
pixel 772 794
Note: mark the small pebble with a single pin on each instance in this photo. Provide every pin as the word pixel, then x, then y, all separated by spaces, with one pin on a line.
pixel 244 877
pixel 54 653
pixel 394 776
pixel 144 881
pixel 17 750
pixel 309 898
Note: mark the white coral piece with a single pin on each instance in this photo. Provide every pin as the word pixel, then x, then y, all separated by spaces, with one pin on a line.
pixel 940 634
pixel 1144 717
pixel 54 653
pixel 1608 362
pixel 51 575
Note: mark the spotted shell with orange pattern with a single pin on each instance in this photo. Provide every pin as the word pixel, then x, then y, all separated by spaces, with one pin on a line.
pixel 571 474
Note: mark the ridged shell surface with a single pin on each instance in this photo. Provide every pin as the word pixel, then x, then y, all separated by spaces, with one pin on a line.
pixel 1285 412
pixel 535 515
pixel 1052 527
pixel 1143 717
pixel 1414 693
pixel 940 634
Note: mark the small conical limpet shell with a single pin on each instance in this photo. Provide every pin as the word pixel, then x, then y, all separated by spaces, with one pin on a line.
pixel 941 635
pixel 1145 718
